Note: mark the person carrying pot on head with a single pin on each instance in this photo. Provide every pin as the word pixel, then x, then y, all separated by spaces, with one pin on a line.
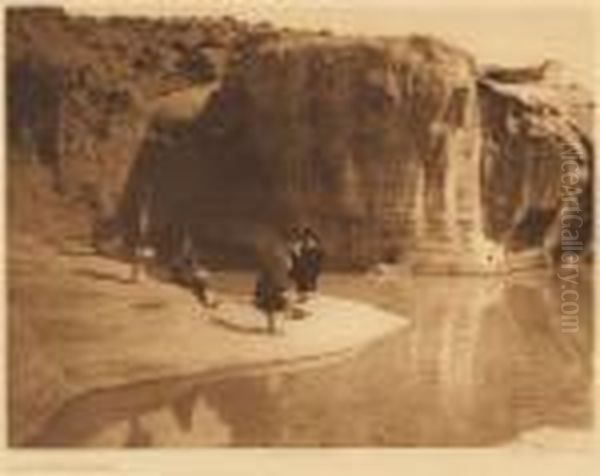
pixel 270 292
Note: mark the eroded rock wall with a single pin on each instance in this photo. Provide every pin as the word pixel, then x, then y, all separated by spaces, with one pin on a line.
pixel 81 91
pixel 395 150
pixel 537 159
pixel 373 143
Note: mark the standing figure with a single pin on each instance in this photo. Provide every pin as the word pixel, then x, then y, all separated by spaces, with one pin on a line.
pixel 309 263
pixel 142 252
pixel 143 255
pixel 294 249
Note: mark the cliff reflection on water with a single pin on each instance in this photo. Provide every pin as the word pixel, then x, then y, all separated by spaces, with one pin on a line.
pixel 483 361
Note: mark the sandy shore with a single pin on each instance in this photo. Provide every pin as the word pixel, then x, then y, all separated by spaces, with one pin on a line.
pixel 92 329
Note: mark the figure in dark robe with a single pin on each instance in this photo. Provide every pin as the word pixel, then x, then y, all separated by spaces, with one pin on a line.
pixel 309 264
pixel 270 292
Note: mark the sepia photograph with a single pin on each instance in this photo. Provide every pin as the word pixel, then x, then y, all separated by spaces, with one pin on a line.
pixel 269 225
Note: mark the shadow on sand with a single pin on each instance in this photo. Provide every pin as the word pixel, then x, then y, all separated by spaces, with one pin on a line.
pixel 101 275
pixel 231 326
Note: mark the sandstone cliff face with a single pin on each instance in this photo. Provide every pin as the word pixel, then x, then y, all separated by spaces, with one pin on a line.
pixel 375 144
pixel 534 134
pixel 392 149
pixel 80 90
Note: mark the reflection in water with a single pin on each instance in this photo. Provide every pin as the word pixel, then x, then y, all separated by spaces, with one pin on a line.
pixel 484 360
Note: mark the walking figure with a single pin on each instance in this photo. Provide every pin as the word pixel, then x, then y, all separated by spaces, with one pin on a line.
pixel 269 296
pixel 189 272
pixel 270 292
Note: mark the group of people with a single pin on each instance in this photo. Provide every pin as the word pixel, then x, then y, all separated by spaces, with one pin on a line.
pixel 287 277
pixel 300 266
